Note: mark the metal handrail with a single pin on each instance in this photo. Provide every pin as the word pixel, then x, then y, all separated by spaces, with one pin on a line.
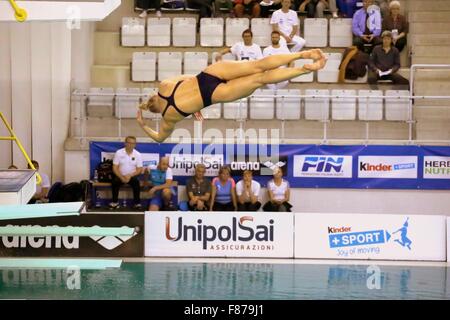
pixel 410 97
pixel 411 88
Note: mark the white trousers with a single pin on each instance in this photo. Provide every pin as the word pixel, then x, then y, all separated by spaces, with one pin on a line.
pixel 298 42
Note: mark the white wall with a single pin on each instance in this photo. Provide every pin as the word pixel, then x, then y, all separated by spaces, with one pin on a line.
pixel 372 201
pixel 61 70
pixel 376 201
pixel 76 165
pixel 5 92
pixel 82 55
pixel 21 90
pixel 36 69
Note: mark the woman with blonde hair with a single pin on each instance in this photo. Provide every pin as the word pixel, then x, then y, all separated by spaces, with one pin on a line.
pixel 223 192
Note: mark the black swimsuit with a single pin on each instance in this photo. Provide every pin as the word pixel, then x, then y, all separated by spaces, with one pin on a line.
pixel 171 101
pixel 206 83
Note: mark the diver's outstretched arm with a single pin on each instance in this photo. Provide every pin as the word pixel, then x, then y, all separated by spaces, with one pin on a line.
pixel 165 130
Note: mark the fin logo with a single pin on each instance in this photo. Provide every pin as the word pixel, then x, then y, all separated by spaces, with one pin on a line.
pixel 323 164
pixel 327 166
pixel 351 239
pixel 112 242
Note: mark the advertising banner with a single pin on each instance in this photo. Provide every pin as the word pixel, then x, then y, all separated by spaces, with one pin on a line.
pixel 65 246
pixel 304 166
pixel 222 234
pixel 369 236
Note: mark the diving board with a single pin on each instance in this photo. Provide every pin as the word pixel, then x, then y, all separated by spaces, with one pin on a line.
pixel 17 186
pixel 94 231
pixel 40 210
pixel 39 263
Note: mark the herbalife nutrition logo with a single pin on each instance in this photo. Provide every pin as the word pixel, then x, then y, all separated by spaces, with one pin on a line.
pixel 436 168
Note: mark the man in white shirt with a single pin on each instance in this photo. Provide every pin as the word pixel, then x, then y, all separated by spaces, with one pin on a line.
pixel 276 48
pixel 243 50
pixel 286 22
pixel 127 166
pixel 247 191
pixel 42 188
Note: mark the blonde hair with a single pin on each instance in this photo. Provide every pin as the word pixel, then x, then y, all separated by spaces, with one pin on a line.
pixel 149 105
pixel 394 3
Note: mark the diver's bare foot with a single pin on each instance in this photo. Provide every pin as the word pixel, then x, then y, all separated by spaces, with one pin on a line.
pixel 317 65
pixel 314 54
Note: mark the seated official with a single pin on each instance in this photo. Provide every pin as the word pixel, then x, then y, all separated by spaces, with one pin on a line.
pixel 161 190
pixel 223 192
pixel 385 62
pixel 247 191
pixel 198 190
pixel 278 191
pixel 127 166
pixel 42 188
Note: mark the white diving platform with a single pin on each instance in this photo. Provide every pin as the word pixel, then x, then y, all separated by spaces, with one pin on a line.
pixel 17 186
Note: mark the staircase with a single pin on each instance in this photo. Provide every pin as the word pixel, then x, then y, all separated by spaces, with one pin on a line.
pixel 429 40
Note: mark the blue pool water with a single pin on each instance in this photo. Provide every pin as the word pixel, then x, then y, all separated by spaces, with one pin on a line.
pixel 229 281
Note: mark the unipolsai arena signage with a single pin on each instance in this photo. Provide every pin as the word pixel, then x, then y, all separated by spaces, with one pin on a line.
pixel 222 234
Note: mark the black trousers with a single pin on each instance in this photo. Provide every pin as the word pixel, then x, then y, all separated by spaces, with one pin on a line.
pixel 395 78
pixel 223 206
pixel 265 10
pixel 248 206
pixel 134 183
pixel 194 208
pixel 311 8
pixel 272 207
pixel 147 4
pixel 205 7
pixel 400 44
pixel 364 46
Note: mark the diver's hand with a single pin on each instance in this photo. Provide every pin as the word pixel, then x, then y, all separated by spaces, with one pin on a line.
pixel 198 115
pixel 140 118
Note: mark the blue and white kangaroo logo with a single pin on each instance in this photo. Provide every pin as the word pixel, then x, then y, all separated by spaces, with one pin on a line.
pixel 404 241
